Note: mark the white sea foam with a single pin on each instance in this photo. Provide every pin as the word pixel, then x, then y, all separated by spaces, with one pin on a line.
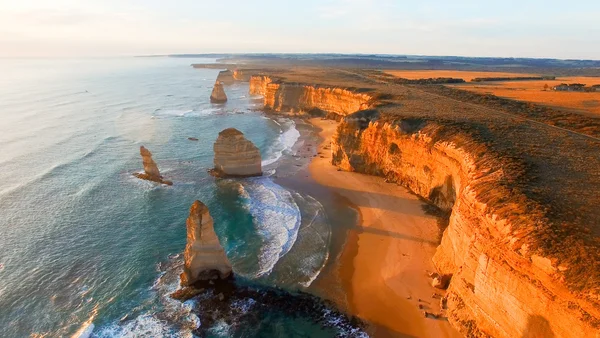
pixel 288 136
pixel 309 254
pixel 276 217
pixel 174 320
pixel 221 329
pixel 145 325
pixel 174 112
pixel 243 305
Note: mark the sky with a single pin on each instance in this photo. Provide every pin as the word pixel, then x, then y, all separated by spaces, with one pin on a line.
pixel 525 28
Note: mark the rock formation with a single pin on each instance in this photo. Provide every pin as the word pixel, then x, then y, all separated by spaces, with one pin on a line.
pixel 226 77
pixel 151 172
pixel 204 256
pixel 218 94
pixel 235 155
pixel 515 271
pixel 240 75
pixel 281 96
pixel 497 283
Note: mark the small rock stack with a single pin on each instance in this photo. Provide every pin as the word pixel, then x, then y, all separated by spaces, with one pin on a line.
pixel 218 93
pixel 151 172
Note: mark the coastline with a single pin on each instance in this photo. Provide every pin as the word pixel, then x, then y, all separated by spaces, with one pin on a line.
pixel 383 264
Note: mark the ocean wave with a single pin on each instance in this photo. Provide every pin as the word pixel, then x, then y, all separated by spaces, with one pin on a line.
pixel 58 168
pixel 309 254
pixel 173 320
pixel 288 137
pixel 316 230
pixel 276 218
pixel 173 112
pixel 145 325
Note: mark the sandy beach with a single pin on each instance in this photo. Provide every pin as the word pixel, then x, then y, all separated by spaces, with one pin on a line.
pixel 384 262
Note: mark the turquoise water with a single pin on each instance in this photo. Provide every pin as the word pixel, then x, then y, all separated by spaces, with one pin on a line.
pixel 84 242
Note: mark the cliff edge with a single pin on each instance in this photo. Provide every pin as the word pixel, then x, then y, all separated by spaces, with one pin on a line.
pixel 522 242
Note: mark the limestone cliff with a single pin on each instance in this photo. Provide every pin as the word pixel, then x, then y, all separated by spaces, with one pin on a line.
pixel 507 281
pixel 226 77
pixel 241 75
pixel 499 287
pixel 151 172
pixel 282 96
pixel 218 93
pixel 235 155
pixel 204 256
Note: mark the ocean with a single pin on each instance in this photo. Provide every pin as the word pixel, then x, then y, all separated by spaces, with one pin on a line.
pixel 88 250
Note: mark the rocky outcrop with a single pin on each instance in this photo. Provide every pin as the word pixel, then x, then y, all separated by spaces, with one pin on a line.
pixel 204 256
pixel 241 75
pixel 302 98
pixel 510 271
pixel 235 155
pixel 218 93
pixel 151 172
pixel 500 286
pixel 226 77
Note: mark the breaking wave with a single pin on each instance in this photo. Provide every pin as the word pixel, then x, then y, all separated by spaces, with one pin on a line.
pixel 284 143
pixel 276 218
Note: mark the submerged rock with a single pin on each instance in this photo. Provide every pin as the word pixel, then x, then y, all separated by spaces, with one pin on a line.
pixel 204 256
pixel 218 93
pixel 151 172
pixel 235 155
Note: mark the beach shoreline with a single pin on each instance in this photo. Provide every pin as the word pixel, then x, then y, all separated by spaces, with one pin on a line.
pixel 386 255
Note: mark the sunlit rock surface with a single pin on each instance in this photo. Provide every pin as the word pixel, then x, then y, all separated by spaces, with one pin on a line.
pixel 204 256
pixel 151 172
pixel 499 287
pixel 235 155
pixel 281 96
pixel 218 93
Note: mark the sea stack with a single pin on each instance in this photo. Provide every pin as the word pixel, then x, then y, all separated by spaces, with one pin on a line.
pixel 235 155
pixel 204 256
pixel 218 93
pixel 151 172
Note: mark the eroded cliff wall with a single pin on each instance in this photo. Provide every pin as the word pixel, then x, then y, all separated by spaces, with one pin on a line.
pixel 499 288
pixel 502 284
pixel 297 97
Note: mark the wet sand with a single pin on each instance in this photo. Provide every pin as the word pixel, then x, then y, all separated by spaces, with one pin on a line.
pixel 384 261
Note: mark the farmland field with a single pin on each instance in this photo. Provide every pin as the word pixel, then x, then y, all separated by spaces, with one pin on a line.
pixel 529 91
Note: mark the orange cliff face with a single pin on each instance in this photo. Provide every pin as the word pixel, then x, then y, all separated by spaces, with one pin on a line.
pixel 498 287
pixel 280 96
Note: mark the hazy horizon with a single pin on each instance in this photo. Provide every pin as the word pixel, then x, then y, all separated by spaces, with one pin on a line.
pixel 68 28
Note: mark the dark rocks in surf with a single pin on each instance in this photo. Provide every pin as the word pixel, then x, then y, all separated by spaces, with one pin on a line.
pixel 251 310
pixel 151 172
